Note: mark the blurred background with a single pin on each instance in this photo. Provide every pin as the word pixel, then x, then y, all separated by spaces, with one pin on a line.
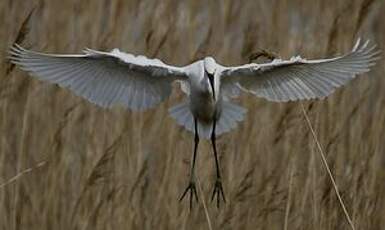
pixel 78 166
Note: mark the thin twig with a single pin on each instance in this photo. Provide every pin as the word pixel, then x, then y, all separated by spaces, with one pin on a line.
pixel 204 203
pixel 25 171
pixel 325 163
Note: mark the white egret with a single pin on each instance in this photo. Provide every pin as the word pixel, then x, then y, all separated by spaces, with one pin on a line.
pixel 136 82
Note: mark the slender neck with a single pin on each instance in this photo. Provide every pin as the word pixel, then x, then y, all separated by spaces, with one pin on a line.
pixel 212 82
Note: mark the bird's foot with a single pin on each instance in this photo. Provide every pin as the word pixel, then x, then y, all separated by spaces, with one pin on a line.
pixel 193 193
pixel 218 192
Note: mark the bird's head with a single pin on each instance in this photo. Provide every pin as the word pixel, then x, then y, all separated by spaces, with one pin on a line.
pixel 210 66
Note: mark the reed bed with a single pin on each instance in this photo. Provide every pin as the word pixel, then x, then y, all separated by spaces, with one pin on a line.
pixel 67 164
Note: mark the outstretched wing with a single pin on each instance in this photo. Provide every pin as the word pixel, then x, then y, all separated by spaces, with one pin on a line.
pixel 297 78
pixel 104 78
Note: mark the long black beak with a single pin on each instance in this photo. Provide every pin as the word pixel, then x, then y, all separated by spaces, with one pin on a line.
pixel 211 80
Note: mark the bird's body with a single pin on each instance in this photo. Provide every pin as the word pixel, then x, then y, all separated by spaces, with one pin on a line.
pixel 205 96
pixel 204 107
pixel 136 82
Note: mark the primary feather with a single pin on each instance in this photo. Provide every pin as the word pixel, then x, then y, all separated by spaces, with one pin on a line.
pixel 105 79
pixel 137 82
pixel 298 78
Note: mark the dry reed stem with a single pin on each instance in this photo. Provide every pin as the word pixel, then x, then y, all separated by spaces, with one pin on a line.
pixel 204 203
pixel 22 173
pixel 325 163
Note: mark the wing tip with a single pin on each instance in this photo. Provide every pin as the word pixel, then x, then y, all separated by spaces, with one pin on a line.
pixel 15 53
pixel 15 49
pixel 369 52
pixel 356 44
pixel 359 46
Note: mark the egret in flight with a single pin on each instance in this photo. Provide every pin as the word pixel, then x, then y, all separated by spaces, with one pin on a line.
pixel 138 83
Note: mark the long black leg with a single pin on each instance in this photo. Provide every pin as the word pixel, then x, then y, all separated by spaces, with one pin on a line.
pixel 191 187
pixel 218 189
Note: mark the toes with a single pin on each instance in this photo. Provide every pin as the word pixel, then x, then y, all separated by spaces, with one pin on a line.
pixel 213 195
pixel 223 196
pixel 218 193
pixel 184 194
pixel 191 189
pixel 196 195
pixel 191 199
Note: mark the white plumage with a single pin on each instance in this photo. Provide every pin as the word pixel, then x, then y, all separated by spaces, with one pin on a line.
pixel 136 82
pixel 299 78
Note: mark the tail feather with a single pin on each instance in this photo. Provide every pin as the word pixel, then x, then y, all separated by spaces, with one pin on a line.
pixel 230 116
pixel 182 114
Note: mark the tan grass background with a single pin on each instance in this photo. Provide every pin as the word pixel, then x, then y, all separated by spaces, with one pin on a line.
pixel 89 168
